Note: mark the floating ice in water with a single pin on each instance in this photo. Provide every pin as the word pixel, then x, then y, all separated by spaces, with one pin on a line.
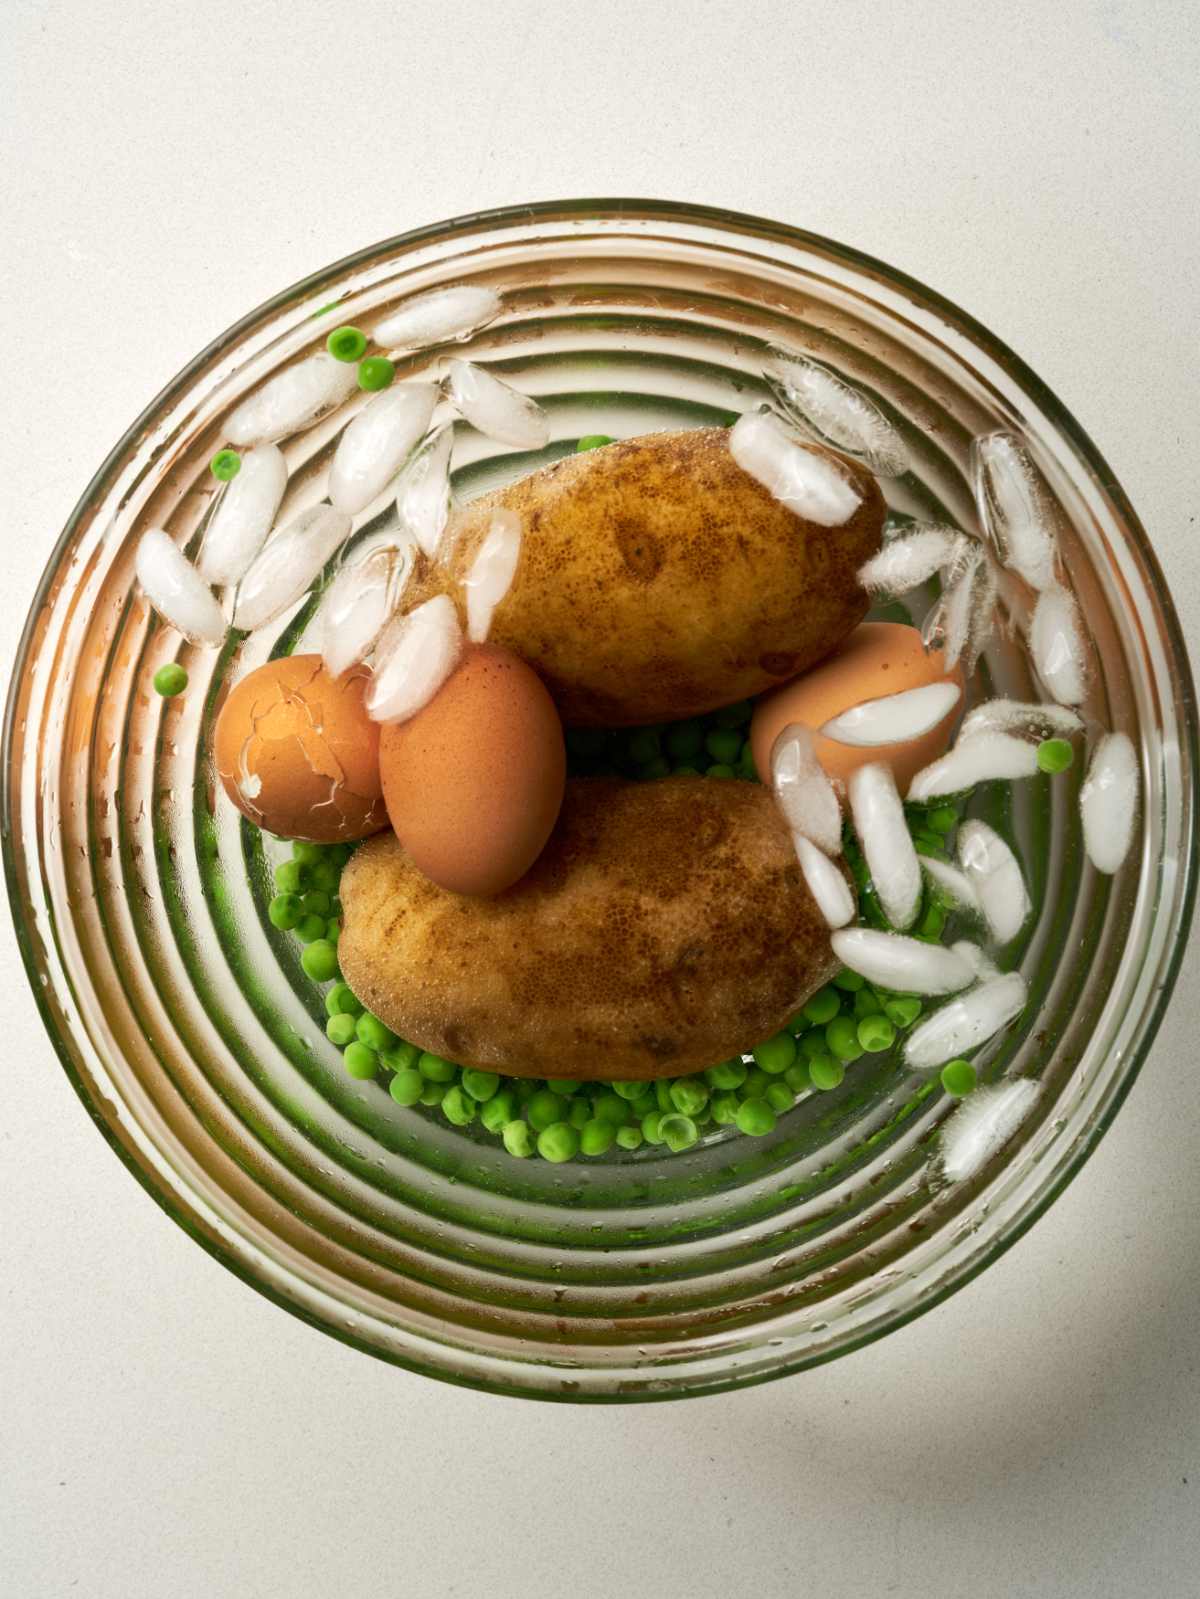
pixel 356 607
pixel 803 791
pixel 1056 643
pixel 1022 720
pixel 980 962
pixel 983 1124
pixel 1108 802
pixel 492 570
pixel 995 874
pixel 822 401
pixel 798 475
pixel 907 964
pixel 497 409
pixel 176 590
pixel 423 490
pixel 292 400
pixel 895 718
pixel 414 657
pixel 376 444
pixel 966 1022
pixel 905 563
pixel 984 611
pixel 243 517
pixel 982 758
pixel 1013 507
pixel 290 562
pixel 438 314
pixel 825 882
pixel 956 886
pixel 956 609
pixel 886 842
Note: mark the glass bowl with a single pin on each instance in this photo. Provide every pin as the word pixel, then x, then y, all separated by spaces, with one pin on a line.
pixel 189 1030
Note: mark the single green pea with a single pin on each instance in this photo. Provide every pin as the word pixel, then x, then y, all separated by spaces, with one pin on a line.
pixel 596 1137
pixel 518 1139
pixel 944 819
pixel 325 875
pixel 346 344
pixel 644 1106
pixel 724 744
pixel 756 1118
pixel 959 1078
pixel 797 1078
pixel 406 1087
pixel 651 1125
pixel 689 1096
pixel 579 1112
pixel 720 770
pixel 497 1112
pixel 435 1069
pixel 826 1072
pixel 339 854
pixel 644 744
pixel 306 852
pixel 684 739
pixel 592 441
pixel 659 767
pixel 685 771
pixel 628 1090
pixel 729 1074
pixel 736 715
pixel 746 767
pixel 316 902
pixel 775 1055
pixel 566 1086
pixel 375 373
pixel 339 1030
pixel 311 930
pixel 170 680
pixel 866 1003
pixel 341 1001
pixel 662 1095
pixel 876 1033
pixel 480 1085
pixel 545 1108
pixel 611 1108
pixel 822 1007
pixel 433 1093
pixel 360 1061
pixel 285 911
pixel 841 1038
pixel 630 1138
pixel 558 1142
pixel 724 1109
pixel 319 959
pixel 755 1085
pixel 400 1056
pixel 225 465
pixel 932 922
pixel 678 1132
pixel 930 844
pixel 1055 755
pixel 780 1097
pixel 849 982
pixel 291 877
pixel 812 1044
pixel 375 1034
pixel 903 1010
pixel 458 1108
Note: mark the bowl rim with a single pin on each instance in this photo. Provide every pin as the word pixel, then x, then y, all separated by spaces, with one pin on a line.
pixel 611 209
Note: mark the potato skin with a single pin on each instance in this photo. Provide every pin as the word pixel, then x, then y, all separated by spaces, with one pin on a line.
pixel 665 927
pixel 658 580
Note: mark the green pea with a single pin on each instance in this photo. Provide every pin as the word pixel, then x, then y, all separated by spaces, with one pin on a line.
pixel 849 982
pixel 325 875
pixel 310 929
pixel 780 1097
pixel 932 922
pixel 558 1142
pixel 826 1072
pixel 930 844
pixel 375 373
pixel 333 930
pixel 225 465
pixel 662 1095
pixel 610 1108
pixel 653 770
pixel 822 1007
pixel 339 1030
pixel 346 344
pixel 436 1070
pixel 746 767
pixel 291 877
pixel 651 1127
pixel 458 1108
pixel 628 1090
pixel 736 715
pixel 339 854
pixel 566 1086
pixel 755 1117
pixel 316 902
pixel 545 1108
pixel 497 1112
pixel 944 819
pixel 518 1140
pixel 729 1074
pixel 433 1093
pixel 866 1003
pixel 374 1034
pixel 678 1132
pixel 812 1044
pixel 596 1137
pixel 360 1061
pixel 688 1096
pixel 776 1054
pixel 170 680
pixel 797 1078
pixel 630 1138
pixel 341 1001
pixel 306 852
pixel 592 441
pixel 876 1033
pixel 406 1087
pixel 903 1010
pixel 724 1109
pixel 958 1077
pixel 579 1113
pixel 285 911
pixel 644 744
pixel 645 1106
pixel 684 739
pixel 480 1085
pixel 841 1038
pixel 720 770
pixel 400 1056
pixel 724 745
pixel 756 1083
pixel 1055 755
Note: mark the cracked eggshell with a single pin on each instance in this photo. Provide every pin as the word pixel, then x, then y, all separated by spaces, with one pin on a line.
pixel 297 753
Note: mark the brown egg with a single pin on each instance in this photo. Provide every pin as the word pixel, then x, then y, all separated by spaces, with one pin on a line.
pixel 474 782
pixel 298 754
pixel 878 658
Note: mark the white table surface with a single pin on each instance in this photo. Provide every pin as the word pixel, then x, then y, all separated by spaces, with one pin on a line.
pixel 165 1430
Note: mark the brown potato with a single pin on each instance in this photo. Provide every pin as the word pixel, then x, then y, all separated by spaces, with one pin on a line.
pixel 665 927
pixel 657 580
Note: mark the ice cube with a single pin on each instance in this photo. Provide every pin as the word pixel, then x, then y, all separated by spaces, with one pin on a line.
pixel 966 1022
pixel 956 609
pixel 955 885
pixel 822 401
pixel 983 1124
pixel 825 882
pixel 895 718
pixel 377 442
pixel 423 490
pixel 905 563
pixel 1108 802
pixel 1014 508
pixel 995 874
pixel 803 791
pixel 454 312
pixel 290 563
pixel 982 758
pixel 1056 643
pixel 886 842
pixel 292 400
pixel 492 570
pixel 908 965
pixel 414 657
pixel 496 408
pixel 176 590
pixel 1021 719
pixel 358 603
pixel 244 515
pixel 800 476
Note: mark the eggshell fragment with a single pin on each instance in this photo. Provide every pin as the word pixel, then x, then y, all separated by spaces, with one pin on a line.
pixel 297 753
pixel 878 659
pixel 474 781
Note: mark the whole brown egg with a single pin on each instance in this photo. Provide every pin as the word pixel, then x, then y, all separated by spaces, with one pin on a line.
pixel 297 753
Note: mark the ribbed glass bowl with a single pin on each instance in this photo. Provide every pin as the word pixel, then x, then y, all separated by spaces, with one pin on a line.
pixel 186 1024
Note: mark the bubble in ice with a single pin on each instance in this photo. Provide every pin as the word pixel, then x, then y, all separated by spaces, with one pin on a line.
pixel 1014 509
pixel 362 597
pixel 176 590
pixel 290 562
pixel 983 1123
pixel 800 476
pixel 908 965
pixel 886 842
pixel 968 1021
pixel 954 885
pixel 454 312
pixel 423 490
pixel 292 400
pixel 907 562
pixel 1108 802
pixel 1057 646
pixel 836 412
pixel 803 791
pixel 1022 719
pixel 995 874
pixel 825 883
pixel 376 443
pixel 496 408
pixel 244 515
pixel 895 718
pixel 491 573
pixel 415 655
pixel 983 758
